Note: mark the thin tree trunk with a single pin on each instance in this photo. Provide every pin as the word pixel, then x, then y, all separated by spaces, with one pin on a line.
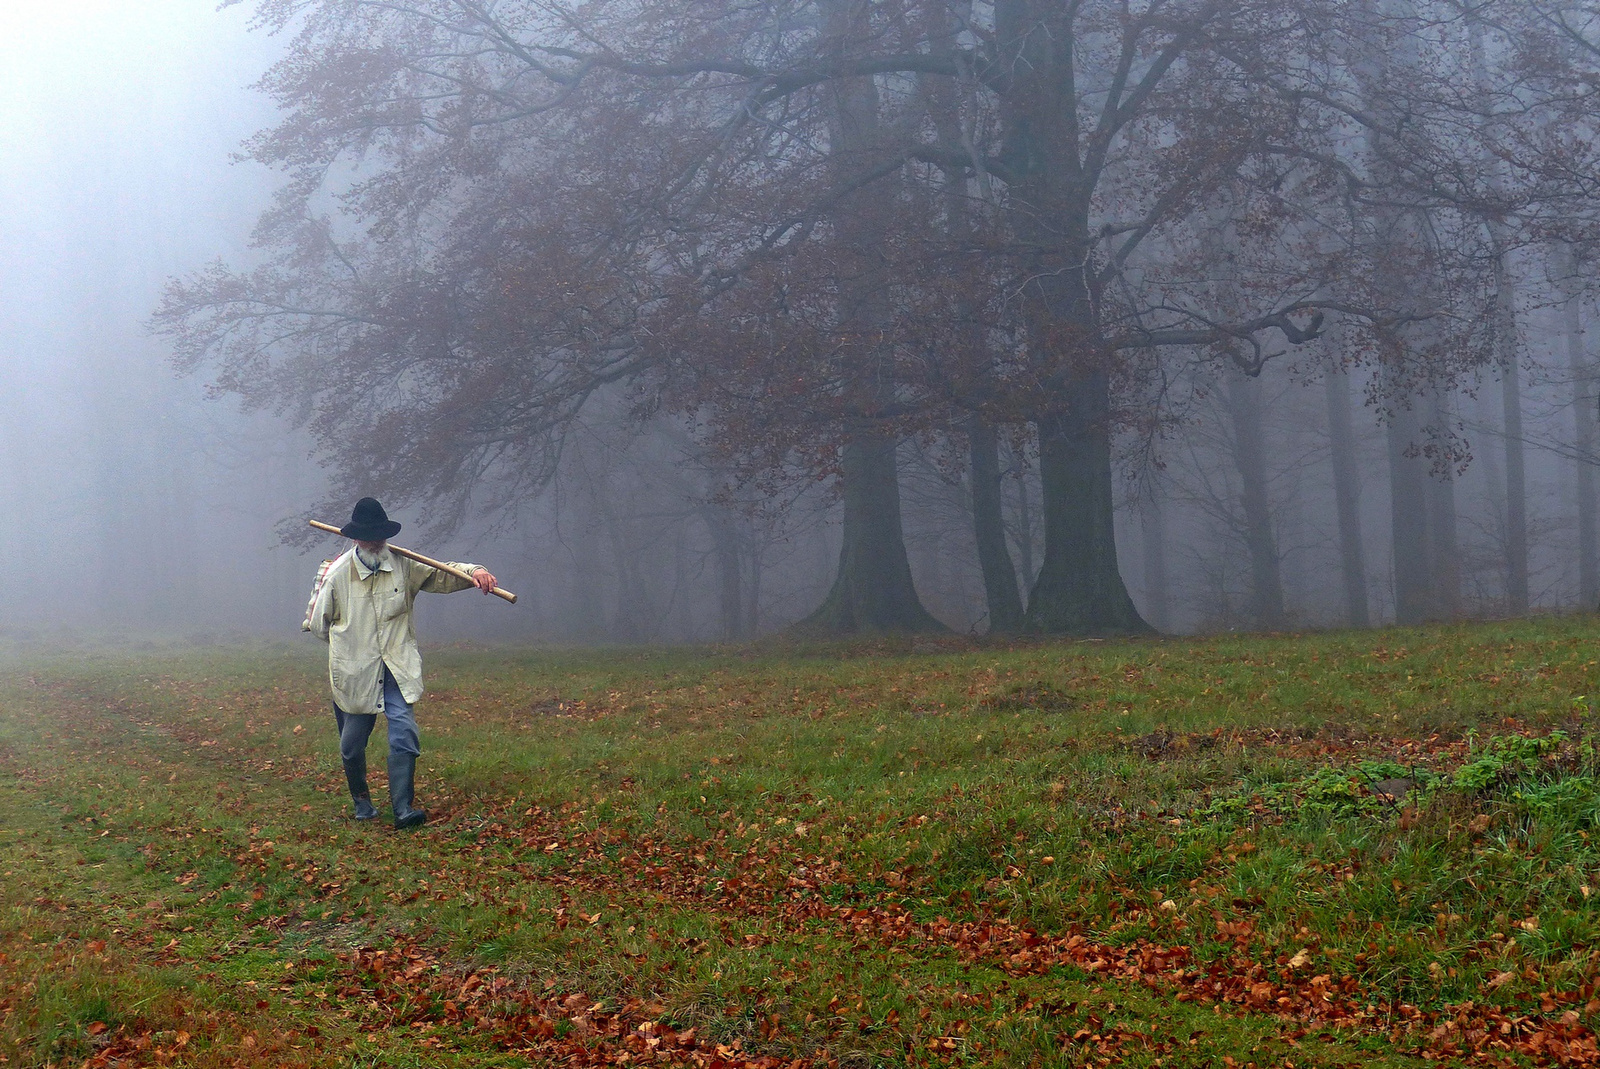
pixel 1024 523
pixel 1405 266
pixel 1516 476
pixel 1249 454
pixel 752 613
pixel 1494 476
pixel 1003 599
pixel 730 572
pixel 585 579
pixel 999 571
pixel 1427 581
pixel 1444 554
pixel 1516 534
pixel 634 619
pixel 1347 497
pixel 1408 517
pixel 1583 430
pixel 1153 532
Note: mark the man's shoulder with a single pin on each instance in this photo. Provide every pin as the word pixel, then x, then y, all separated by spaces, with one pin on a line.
pixel 339 570
pixel 413 570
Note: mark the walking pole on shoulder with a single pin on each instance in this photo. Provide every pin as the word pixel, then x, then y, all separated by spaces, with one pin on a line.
pixel 499 592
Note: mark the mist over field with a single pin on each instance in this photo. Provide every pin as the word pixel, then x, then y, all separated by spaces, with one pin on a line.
pixel 131 507
pixel 134 505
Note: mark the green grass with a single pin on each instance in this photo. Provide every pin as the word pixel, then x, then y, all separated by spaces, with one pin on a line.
pixel 1051 853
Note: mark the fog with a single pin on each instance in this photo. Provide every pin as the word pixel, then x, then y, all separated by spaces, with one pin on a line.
pixel 135 507
pixel 123 511
pixel 132 507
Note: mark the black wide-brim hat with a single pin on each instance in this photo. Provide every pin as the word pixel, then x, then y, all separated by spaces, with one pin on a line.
pixel 369 523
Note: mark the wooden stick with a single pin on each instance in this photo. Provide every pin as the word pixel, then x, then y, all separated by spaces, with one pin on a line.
pixel 498 592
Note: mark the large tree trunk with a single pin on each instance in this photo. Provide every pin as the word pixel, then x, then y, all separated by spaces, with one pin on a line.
pixel 873 591
pixel 1249 455
pixel 1347 497
pixel 999 571
pixel 1080 589
pixel 1583 430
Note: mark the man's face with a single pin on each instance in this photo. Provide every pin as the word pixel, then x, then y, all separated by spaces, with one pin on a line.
pixel 371 547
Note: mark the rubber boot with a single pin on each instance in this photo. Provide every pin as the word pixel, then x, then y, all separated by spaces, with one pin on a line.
pixel 402 791
pixel 355 774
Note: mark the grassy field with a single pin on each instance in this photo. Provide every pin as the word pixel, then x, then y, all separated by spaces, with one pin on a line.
pixel 1362 848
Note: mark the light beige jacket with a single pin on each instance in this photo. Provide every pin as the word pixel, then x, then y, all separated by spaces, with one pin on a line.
pixel 365 618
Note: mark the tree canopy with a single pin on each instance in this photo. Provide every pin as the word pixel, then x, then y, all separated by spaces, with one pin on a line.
pixel 811 228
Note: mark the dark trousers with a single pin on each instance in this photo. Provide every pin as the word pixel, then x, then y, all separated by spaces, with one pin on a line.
pixel 356 728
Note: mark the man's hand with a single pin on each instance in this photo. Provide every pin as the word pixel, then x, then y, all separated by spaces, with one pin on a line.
pixel 484 580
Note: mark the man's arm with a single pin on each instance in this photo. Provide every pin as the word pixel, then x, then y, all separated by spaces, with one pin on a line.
pixel 441 582
pixel 325 611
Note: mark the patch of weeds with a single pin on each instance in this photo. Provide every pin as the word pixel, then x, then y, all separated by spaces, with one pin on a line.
pixel 1162 743
pixel 557 706
pixel 1543 776
pixel 1573 799
pixel 73 1017
pixel 1504 758
pixel 1330 791
pixel 1036 696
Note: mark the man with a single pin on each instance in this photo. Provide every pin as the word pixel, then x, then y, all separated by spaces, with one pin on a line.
pixel 363 612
